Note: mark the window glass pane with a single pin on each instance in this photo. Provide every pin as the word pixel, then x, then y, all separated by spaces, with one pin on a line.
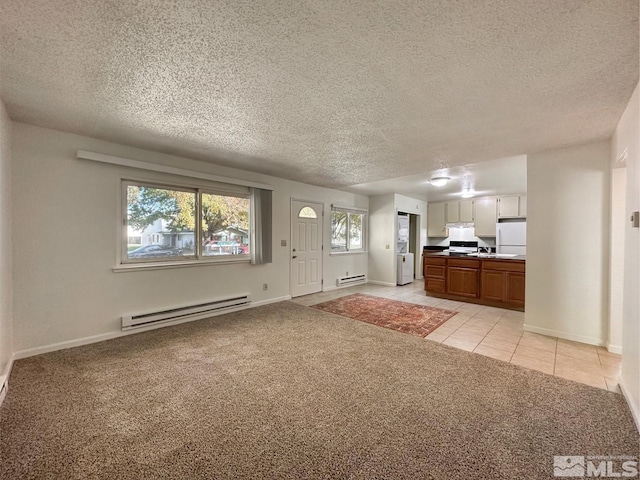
pixel 225 225
pixel 307 212
pixel 355 231
pixel 338 231
pixel 162 220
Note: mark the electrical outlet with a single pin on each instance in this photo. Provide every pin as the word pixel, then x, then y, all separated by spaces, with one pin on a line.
pixel 386 247
pixel 265 286
pixel 283 243
pixel 347 274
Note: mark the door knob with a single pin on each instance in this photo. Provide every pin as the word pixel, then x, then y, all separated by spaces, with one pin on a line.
pixel 295 256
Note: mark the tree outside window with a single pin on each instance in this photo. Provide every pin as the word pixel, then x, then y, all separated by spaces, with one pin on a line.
pixel 171 217
pixel 347 230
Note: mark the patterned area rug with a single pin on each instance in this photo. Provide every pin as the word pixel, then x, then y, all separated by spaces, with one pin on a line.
pixel 418 320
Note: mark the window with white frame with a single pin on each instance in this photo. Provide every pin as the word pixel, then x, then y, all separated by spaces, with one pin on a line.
pixel 348 230
pixel 166 223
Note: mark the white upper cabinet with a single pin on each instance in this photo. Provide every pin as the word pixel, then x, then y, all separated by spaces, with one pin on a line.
pixel 436 220
pixel 486 216
pixel 512 206
pixel 523 205
pixel 453 212
pixel 460 211
pixel 467 211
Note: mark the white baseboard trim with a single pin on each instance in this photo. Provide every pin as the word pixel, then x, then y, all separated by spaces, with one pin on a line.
pixel 78 342
pixel 564 335
pixel 384 284
pixel 614 348
pixel 4 379
pixel 330 288
pixel 635 411
pixel 270 300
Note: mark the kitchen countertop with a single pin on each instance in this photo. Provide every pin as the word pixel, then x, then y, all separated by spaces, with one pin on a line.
pixel 435 253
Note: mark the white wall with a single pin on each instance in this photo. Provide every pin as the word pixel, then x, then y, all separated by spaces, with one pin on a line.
pixel 568 243
pixel 6 311
pixel 616 257
pixel 67 229
pixel 383 234
pixel 416 207
pixel 627 136
pixel 382 239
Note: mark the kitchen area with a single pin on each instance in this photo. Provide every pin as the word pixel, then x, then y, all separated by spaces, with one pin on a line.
pixel 476 250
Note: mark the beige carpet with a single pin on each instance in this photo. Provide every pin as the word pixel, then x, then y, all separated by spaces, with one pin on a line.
pixel 285 391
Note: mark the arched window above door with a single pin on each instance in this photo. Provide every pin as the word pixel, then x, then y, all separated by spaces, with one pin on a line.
pixel 307 212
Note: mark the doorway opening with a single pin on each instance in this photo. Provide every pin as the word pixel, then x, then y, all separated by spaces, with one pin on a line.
pixel 408 239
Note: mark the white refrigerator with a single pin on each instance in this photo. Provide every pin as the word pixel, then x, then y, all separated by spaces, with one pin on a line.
pixel 511 237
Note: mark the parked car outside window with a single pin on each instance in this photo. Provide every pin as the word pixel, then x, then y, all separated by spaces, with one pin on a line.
pixel 155 250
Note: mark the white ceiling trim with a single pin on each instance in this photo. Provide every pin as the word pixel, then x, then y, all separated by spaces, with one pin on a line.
pixel 154 167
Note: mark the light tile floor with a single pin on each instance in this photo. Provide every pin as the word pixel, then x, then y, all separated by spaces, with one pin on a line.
pixel 499 334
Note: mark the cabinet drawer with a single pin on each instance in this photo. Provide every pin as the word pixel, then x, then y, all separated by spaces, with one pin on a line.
pixel 437 271
pixel 429 260
pixel 464 263
pixel 503 265
pixel 434 285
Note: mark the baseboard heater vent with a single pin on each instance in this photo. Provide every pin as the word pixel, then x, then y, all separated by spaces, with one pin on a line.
pixel 200 310
pixel 352 280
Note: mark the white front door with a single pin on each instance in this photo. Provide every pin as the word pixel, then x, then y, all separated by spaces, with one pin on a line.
pixel 306 248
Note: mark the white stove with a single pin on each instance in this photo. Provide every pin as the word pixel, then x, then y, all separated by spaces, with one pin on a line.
pixel 459 247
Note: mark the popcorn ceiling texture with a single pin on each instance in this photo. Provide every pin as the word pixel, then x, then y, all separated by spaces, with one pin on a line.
pixel 331 92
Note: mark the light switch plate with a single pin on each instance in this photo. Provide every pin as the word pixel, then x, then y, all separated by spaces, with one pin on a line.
pixel 635 219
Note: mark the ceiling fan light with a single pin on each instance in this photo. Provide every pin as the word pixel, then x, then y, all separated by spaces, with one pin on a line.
pixel 439 181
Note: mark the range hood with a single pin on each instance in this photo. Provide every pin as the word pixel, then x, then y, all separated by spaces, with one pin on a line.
pixel 459 224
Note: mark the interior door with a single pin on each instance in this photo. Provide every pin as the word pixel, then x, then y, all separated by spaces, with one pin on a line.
pixel 306 247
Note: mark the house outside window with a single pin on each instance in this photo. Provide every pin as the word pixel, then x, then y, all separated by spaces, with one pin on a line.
pixel 175 223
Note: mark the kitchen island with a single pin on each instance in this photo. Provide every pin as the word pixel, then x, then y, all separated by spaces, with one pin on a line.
pixel 486 280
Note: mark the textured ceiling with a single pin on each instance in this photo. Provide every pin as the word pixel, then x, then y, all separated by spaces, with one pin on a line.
pixel 329 92
pixel 492 177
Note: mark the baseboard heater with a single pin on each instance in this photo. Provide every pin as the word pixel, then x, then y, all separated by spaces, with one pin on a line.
pixel 200 310
pixel 352 280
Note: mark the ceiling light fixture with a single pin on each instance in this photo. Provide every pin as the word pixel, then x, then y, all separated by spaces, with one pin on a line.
pixel 439 181
pixel 467 194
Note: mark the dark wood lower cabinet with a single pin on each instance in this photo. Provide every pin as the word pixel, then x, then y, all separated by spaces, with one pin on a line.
pixel 515 288
pixel 462 281
pixel 500 283
pixel 435 274
pixel 435 285
pixel 493 285
pixel 503 281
